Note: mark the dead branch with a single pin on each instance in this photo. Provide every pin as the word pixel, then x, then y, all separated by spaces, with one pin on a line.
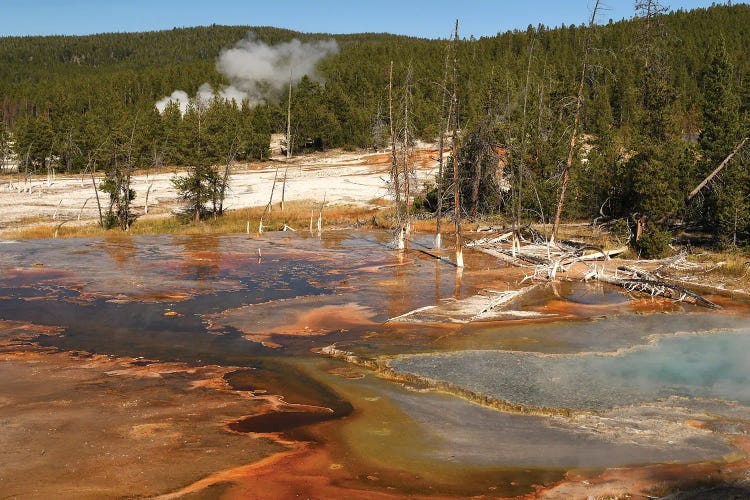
pixel 716 170
pixel 145 206
pixel 320 214
pixel 57 229
pixel 54 216
pixel 82 207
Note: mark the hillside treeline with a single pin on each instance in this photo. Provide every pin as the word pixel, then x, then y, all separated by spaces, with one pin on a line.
pixel 664 102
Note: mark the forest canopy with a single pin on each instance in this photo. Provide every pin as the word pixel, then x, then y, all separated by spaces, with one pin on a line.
pixel 660 109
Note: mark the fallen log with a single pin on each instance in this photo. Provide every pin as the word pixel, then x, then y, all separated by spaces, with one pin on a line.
pixel 533 259
pixel 602 254
pixel 492 241
pixel 482 306
pixel 656 287
pixel 639 273
pixel 502 256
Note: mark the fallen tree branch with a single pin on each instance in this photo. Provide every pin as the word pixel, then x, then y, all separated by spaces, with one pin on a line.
pixel 603 254
pixel 717 169
pixel 645 282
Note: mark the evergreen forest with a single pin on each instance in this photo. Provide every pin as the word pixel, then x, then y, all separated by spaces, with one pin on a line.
pixel 665 98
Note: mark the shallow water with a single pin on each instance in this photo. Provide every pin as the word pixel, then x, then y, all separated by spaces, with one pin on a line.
pixel 698 366
pixel 399 426
pixel 266 305
pixel 602 334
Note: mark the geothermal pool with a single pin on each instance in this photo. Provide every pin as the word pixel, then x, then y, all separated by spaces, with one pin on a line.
pixel 705 365
pixel 202 354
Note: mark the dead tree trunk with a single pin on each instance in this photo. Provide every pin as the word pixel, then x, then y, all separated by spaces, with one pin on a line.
pixel 283 187
pixel 288 127
pixel 406 150
pixel 145 206
pixel 320 215
pixel 231 155
pixel 98 202
pixel 576 121
pixel 441 151
pixel 475 188
pixel 270 201
pixel 456 190
pixel 717 169
pixel 516 242
pixel 394 160
pixel 652 285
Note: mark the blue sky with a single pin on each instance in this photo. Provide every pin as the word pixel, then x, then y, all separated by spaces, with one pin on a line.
pixel 425 18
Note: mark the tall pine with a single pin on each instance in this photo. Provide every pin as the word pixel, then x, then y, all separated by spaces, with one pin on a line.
pixel 726 203
pixel 653 173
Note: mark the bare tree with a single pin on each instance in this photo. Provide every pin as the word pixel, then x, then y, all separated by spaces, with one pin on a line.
pixel 394 161
pixel 224 183
pixel 441 150
pixel 283 187
pixel 96 190
pixel 116 183
pixel 576 121
pixel 456 190
pixel 406 150
pixel 270 201
pixel 289 120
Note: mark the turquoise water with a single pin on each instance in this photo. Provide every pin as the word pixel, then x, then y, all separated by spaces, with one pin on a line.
pixel 711 365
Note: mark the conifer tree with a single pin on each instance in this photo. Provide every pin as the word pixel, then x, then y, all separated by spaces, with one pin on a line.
pixel 726 204
pixel 255 129
pixel 652 171
pixel 34 141
pixel 5 149
pixel 199 186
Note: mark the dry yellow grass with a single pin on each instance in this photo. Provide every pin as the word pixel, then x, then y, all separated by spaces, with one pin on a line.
pixel 731 267
pixel 296 215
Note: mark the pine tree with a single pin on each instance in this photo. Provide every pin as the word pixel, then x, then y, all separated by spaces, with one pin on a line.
pixel 34 142
pixel 726 205
pixel 5 149
pixel 255 130
pixel 118 168
pixel 652 173
pixel 200 185
pixel 174 138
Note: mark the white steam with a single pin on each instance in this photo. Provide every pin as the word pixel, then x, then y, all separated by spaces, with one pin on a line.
pixel 258 71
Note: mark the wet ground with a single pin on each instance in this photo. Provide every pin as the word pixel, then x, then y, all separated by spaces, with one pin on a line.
pixel 202 355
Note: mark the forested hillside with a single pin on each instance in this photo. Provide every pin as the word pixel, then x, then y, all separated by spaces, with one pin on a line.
pixel 666 98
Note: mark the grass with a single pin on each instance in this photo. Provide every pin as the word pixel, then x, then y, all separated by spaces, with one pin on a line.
pixel 296 215
pixel 732 268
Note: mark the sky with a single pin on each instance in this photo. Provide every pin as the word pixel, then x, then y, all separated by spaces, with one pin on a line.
pixel 422 18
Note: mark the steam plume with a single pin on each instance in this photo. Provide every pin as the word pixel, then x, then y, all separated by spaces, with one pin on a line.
pixel 257 71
